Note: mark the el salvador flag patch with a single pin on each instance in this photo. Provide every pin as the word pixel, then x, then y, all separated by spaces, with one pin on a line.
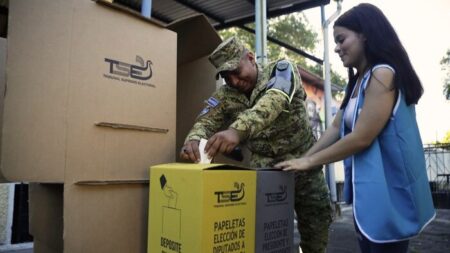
pixel 204 111
pixel 213 102
pixel 210 103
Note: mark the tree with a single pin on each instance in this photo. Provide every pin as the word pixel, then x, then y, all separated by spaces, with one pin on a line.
pixel 293 29
pixel 445 65
pixel 444 143
pixel 446 137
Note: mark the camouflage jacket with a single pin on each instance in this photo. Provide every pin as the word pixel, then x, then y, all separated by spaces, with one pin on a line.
pixel 273 128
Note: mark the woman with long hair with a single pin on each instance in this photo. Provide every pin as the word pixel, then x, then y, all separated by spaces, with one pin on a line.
pixel 375 132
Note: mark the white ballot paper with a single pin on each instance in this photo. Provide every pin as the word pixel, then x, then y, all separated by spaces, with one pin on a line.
pixel 203 156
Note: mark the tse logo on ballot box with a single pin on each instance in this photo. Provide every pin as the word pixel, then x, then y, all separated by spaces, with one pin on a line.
pixel 218 208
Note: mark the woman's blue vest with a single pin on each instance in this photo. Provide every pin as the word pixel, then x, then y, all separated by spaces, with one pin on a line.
pixel 387 182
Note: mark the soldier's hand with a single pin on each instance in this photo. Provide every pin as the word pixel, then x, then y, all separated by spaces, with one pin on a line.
pixel 222 142
pixel 190 151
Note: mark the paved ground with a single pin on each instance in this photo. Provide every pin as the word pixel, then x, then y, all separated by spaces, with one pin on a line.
pixel 434 239
pixel 17 251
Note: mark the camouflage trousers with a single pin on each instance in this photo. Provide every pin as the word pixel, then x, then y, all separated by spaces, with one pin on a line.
pixel 313 208
pixel 312 205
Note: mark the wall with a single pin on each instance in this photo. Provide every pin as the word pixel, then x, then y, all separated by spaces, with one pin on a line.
pixel 4 213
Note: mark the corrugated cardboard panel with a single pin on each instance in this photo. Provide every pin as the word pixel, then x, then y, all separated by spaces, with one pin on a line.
pixel 201 208
pixel 196 38
pixel 2 92
pixel 76 67
pixel 41 247
pixel 114 154
pixel 195 84
pixel 196 75
pixel 104 219
pixel 111 217
pixel 229 211
pixel 35 103
pixel 274 211
pixel 46 217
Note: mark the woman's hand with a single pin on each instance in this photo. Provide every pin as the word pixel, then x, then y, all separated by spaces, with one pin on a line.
pixel 300 164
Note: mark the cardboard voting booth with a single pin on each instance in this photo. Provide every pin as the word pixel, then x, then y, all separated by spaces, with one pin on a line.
pixel 91 104
pixel 86 83
pixel 97 91
pixel 92 90
pixel 219 208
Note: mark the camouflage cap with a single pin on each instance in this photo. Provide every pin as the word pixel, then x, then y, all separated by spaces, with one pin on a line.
pixel 227 55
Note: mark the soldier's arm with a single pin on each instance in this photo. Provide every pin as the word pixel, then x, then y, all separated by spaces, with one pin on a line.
pixel 281 89
pixel 264 113
pixel 208 122
pixel 210 119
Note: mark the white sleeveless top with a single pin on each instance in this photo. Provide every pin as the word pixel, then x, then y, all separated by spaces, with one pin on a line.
pixel 351 106
pixel 348 115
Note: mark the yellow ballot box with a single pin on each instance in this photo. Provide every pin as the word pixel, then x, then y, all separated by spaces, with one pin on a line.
pixel 216 208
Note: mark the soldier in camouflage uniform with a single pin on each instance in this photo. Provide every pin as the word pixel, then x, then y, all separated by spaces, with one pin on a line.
pixel 269 116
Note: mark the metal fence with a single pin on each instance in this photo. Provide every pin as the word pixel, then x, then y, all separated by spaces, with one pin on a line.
pixel 438 166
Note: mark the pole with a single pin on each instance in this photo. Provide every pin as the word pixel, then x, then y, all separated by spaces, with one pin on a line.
pixel 261 31
pixel 329 172
pixel 146 8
